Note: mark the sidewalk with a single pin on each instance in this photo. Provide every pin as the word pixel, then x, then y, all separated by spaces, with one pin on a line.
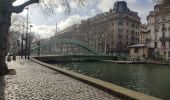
pixel 35 82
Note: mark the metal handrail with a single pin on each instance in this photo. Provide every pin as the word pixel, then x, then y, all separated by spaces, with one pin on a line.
pixel 55 40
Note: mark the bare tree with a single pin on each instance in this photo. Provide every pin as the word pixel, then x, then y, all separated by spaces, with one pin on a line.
pixel 17 23
pixel 163 2
pixel 15 32
pixel 6 10
pixel 48 7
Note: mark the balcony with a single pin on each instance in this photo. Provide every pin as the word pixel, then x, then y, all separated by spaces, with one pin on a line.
pixel 148 39
pixel 120 36
pixel 165 38
pixel 164 29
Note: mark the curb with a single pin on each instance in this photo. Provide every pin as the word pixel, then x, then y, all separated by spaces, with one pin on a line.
pixel 119 91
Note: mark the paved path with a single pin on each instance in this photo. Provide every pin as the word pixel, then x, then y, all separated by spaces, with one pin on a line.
pixel 36 82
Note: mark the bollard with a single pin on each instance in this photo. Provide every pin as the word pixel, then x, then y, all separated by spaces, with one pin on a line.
pixel 8 58
pixel 14 57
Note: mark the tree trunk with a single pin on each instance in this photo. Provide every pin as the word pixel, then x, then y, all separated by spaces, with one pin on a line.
pixel 3 48
pixel 6 10
pixel 3 67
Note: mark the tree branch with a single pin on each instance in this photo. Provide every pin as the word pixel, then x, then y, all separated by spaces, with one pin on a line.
pixel 20 8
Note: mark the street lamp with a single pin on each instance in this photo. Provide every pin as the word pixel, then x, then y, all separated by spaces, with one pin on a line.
pixel 22 42
pixel 18 45
pixel 38 52
pixel 29 44
pixel 26 51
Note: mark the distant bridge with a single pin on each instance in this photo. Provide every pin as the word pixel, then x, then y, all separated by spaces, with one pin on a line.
pixel 48 45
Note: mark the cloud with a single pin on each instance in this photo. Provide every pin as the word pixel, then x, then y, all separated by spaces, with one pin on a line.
pixel 46 31
pixel 141 6
pixel 105 5
pixel 60 9
pixel 45 26
pixel 74 19
pixel 43 30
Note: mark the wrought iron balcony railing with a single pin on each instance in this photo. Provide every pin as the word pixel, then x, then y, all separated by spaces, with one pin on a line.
pixel 165 38
pixel 164 29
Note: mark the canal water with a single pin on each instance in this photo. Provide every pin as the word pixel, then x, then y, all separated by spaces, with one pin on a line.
pixel 150 79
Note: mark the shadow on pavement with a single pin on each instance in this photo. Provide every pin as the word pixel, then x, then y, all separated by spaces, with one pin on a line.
pixel 3 83
pixel 2 88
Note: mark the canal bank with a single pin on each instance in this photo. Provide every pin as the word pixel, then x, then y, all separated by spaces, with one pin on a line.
pixel 103 58
pixel 124 62
pixel 148 61
pixel 111 88
pixel 72 58
pixel 146 78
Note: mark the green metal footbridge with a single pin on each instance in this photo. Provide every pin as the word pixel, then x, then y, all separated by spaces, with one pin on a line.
pixel 49 45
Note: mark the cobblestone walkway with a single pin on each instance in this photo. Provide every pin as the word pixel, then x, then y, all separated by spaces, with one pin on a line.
pixel 35 82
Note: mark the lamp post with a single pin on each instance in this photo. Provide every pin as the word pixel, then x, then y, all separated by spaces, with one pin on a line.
pixel 29 44
pixel 22 42
pixel 38 52
pixel 18 45
pixel 26 41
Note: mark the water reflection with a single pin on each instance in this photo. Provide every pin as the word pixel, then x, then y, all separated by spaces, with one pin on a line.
pixel 150 79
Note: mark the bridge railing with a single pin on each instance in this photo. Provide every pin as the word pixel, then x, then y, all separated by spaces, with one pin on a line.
pixel 47 47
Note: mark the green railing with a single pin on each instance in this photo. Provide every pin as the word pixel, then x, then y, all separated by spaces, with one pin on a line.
pixel 49 44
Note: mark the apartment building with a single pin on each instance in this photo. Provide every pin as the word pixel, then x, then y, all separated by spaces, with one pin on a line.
pixel 109 32
pixel 113 31
pixel 159 30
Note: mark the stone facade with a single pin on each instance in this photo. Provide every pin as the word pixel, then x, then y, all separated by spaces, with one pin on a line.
pixel 113 31
pixel 143 34
pixel 110 32
pixel 159 30
pixel 140 52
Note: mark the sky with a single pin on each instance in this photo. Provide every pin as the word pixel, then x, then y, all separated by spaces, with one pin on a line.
pixel 45 25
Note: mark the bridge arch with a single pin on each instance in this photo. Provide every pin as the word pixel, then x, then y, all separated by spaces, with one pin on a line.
pixel 54 40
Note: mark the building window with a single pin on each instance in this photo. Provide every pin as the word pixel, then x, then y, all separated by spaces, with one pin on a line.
pixel 120 23
pixel 163 34
pixel 156 45
pixel 156 28
pixel 164 53
pixel 127 43
pixel 150 21
pixel 168 28
pixel 132 25
pixel 127 31
pixel 163 44
pixel 136 50
pixel 163 28
pixel 120 36
pixel 127 23
pixel 163 19
pixel 169 54
pixel 120 31
pixel 157 19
